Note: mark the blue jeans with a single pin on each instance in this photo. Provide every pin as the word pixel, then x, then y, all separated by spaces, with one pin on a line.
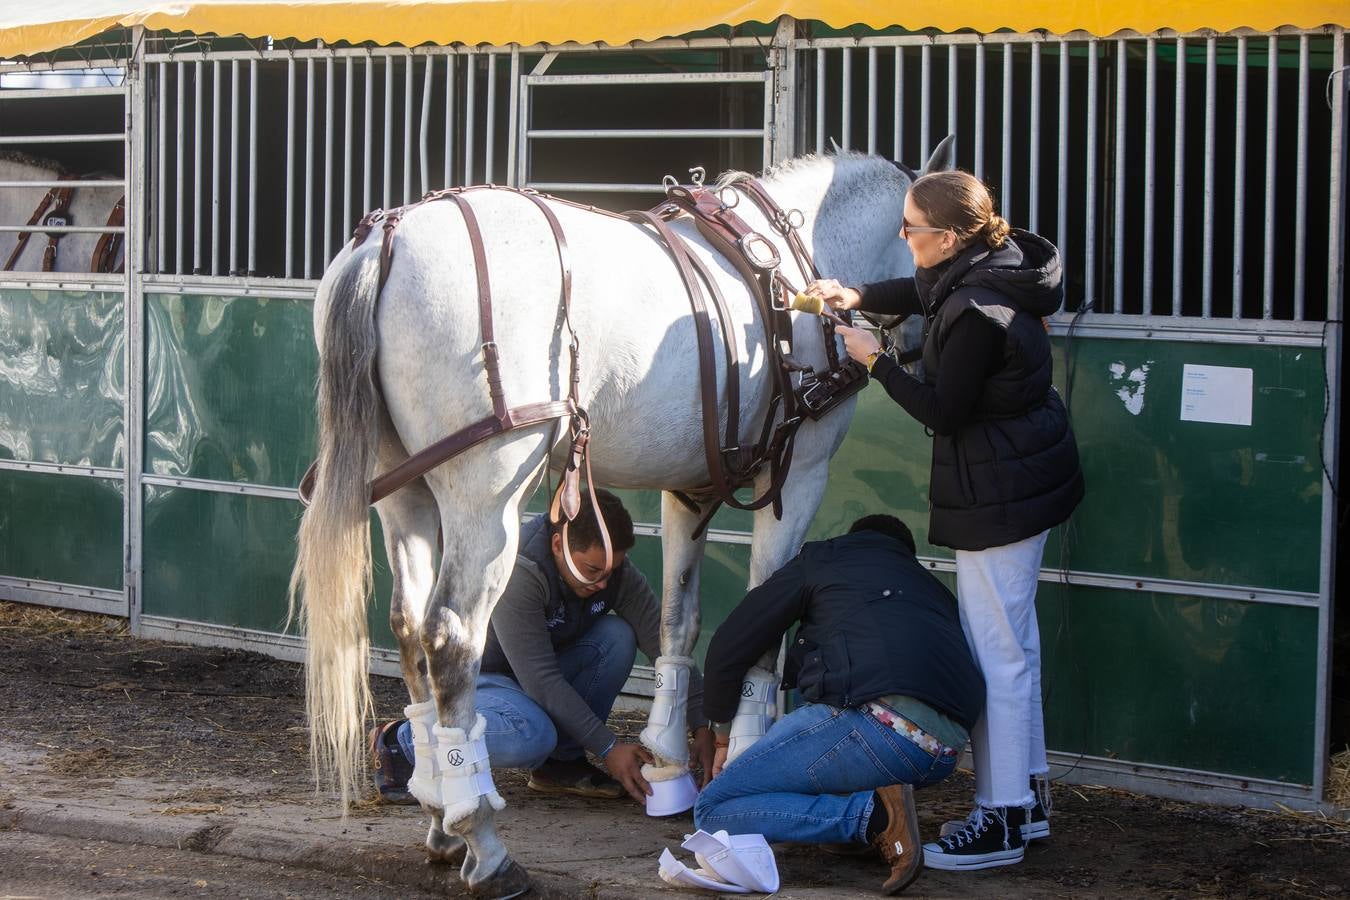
pixel 811 778
pixel 520 734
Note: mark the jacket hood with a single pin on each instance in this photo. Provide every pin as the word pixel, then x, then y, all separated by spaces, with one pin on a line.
pixel 1026 270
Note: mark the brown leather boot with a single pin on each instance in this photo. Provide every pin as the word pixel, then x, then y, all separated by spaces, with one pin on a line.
pixel 899 842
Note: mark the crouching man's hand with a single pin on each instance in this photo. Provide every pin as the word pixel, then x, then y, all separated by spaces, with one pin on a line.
pixel 624 762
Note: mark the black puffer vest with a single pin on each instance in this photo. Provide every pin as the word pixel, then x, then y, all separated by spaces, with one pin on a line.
pixel 1013 471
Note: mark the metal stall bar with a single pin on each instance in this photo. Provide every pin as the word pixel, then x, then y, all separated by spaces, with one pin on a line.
pixel 370 121
pixel 215 167
pixel 1301 184
pixel 1207 263
pixel 1118 238
pixel 952 76
pixel 307 198
pixel 1034 156
pixel 898 137
pixel 349 84
pixel 178 198
pixel 161 154
pixel 234 167
pixel 1062 160
pixel 979 110
pixel 449 120
pixel 425 124
pixel 327 246
pixel 1005 163
pixel 196 167
pixel 872 100
pixel 1272 123
pixel 1179 178
pixel 388 202
pixel 408 127
pixel 1090 199
pixel 1239 177
pixel 252 166
pixel 489 132
pixel 820 99
pixel 133 360
pixel 513 120
pixel 846 98
pixel 1150 168
pixel 469 117
pixel 925 100
pixel 290 162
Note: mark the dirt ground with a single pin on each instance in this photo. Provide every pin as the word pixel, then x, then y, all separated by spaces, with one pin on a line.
pixel 92 703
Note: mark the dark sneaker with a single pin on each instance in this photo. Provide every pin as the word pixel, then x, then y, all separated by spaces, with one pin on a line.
pixel 1036 822
pixel 899 841
pixel 988 838
pixel 574 776
pixel 390 768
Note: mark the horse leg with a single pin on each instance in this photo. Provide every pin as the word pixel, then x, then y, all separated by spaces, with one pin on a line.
pixel 480 501
pixel 682 557
pixel 774 542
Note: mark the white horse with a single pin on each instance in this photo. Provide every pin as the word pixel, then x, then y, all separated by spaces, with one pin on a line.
pixel 424 378
pixel 89 206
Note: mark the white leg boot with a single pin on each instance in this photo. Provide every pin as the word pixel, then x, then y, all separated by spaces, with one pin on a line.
pixel 422 785
pixel 756 712
pixel 464 774
pixel 665 731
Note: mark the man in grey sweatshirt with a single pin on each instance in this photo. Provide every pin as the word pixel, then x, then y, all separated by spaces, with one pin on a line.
pixel 554 662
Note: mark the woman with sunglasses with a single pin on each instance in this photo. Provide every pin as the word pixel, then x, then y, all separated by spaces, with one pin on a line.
pixel 1005 470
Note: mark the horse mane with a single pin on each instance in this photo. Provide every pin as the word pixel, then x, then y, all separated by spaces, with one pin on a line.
pixel 37 162
pixel 843 161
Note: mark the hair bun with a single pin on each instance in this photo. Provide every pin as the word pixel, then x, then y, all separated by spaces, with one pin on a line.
pixel 995 231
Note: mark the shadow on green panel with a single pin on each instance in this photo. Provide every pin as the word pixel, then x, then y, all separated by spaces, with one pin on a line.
pixel 64 528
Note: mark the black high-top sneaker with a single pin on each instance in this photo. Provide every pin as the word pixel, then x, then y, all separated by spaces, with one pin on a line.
pixel 1036 825
pixel 989 837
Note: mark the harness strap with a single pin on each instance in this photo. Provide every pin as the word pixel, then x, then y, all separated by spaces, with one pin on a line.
pixel 56 199
pixel 109 243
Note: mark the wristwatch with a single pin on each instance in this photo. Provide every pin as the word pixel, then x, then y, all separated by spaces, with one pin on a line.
pixel 720 729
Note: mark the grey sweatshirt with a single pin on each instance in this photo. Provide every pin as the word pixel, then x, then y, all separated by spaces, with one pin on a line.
pixel 538 615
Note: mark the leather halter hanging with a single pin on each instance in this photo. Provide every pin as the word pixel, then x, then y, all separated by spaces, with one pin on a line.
pixel 54 210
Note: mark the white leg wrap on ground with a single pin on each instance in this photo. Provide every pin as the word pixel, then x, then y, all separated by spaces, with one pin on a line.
pixel 422 718
pixel 664 734
pixel 463 773
pixel 755 714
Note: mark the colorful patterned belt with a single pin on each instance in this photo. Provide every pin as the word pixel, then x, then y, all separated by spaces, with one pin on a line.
pixel 907 729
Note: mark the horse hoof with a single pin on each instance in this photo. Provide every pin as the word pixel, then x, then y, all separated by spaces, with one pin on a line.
pixel 445 848
pixel 511 880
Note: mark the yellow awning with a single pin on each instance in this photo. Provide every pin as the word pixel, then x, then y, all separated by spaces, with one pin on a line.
pixel 32 26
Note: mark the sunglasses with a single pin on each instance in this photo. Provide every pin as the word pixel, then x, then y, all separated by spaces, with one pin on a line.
pixel 907 229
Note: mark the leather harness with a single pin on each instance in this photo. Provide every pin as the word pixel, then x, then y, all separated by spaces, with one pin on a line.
pixel 730 466
pixel 54 211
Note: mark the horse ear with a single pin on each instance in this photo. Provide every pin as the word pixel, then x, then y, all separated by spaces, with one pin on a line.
pixel 835 149
pixel 944 156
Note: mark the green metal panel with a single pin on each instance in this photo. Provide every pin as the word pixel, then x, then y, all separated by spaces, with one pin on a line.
pixel 1218 685
pixel 1194 501
pixel 64 528
pixel 62 377
pixel 229 388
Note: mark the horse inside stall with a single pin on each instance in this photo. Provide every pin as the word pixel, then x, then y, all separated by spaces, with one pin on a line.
pixel 401 366
pixel 96 207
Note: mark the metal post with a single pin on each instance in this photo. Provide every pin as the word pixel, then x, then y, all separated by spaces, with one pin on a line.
pixel 215 167
pixel 1150 168
pixel 196 167
pixel 234 167
pixel 1005 164
pixel 411 63
pixel 425 125
pixel 1090 199
pixel 925 101
pixel 366 161
pixel 252 166
pixel 133 318
pixel 820 99
pixel 1301 184
pixel 845 99
pixel 307 198
pixel 979 110
pixel 1239 176
pixel 1034 157
pixel 1207 261
pixel 1179 179
pixel 489 127
pixel 1272 123
pixel 469 88
pixel 1062 160
pixel 898 137
pixel 326 248
pixel 178 173
pixel 872 100
pixel 388 131
pixel 1118 238
pixel 449 119
pixel 953 74
pixel 290 162
pixel 161 155
pixel 348 83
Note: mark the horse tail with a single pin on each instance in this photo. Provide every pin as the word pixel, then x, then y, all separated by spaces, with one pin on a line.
pixel 332 576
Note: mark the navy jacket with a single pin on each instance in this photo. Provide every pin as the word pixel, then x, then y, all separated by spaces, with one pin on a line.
pixel 873 621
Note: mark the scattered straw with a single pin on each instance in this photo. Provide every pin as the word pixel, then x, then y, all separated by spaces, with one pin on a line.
pixel 191 810
pixel 1338 784
pixel 47 620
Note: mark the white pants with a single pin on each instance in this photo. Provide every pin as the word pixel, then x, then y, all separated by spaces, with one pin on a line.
pixel 996 591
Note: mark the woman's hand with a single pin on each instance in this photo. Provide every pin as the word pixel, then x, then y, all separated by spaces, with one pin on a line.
pixel 835 295
pixel 861 344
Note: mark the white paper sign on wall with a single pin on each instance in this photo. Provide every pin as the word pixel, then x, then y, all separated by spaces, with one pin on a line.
pixel 1218 394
